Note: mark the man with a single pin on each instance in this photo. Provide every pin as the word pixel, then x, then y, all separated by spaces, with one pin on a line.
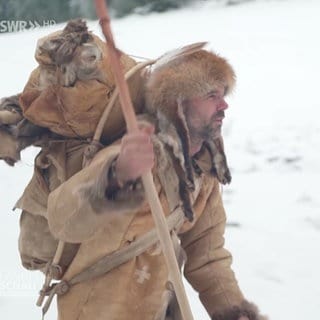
pixel 103 209
pixel 112 266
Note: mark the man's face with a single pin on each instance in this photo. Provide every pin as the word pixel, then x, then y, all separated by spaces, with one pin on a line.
pixel 204 118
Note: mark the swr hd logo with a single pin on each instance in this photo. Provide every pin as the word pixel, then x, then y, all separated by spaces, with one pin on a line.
pixel 23 25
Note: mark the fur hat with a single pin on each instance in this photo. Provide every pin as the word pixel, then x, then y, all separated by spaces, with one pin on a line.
pixel 186 77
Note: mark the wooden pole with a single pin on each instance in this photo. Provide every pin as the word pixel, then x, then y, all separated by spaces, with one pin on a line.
pixel 147 179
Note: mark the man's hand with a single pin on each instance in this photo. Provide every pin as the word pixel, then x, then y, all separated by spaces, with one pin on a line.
pixel 136 155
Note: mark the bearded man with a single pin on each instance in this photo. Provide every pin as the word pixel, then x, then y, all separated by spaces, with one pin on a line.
pixel 102 208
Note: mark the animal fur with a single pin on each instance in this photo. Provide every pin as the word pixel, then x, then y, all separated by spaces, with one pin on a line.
pixel 186 77
pixel 73 54
pixel 220 167
pixel 19 130
pixel 246 309
pixel 169 134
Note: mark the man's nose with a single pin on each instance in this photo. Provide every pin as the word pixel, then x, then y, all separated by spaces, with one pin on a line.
pixel 223 105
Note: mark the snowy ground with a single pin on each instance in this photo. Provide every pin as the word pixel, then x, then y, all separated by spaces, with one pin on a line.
pixel 272 139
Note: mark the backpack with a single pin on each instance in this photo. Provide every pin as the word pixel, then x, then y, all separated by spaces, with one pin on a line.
pixel 63 102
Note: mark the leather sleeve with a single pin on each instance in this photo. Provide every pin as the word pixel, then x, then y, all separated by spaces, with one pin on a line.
pixel 208 266
pixel 80 206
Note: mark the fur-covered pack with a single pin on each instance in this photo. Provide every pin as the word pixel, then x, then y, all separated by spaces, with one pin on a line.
pixel 69 90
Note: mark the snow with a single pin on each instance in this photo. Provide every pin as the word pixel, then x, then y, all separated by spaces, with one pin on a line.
pixel 272 135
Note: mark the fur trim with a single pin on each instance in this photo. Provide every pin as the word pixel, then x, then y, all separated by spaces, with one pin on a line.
pixel 220 167
pixel 169 134
pixel 101 195
pixel 211 159
pixel 246 309
pixel 186 77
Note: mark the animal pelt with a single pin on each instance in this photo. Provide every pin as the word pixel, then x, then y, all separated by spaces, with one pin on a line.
pixel 73 84
pixel 16 131
pixel 246 309
pixel 220 167
pixel 170 134
pixel 73 53
pixel 73 35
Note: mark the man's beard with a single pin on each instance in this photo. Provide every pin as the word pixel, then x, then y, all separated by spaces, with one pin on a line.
pixel 206 132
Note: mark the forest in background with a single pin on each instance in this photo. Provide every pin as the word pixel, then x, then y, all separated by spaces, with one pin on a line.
pixel 63 10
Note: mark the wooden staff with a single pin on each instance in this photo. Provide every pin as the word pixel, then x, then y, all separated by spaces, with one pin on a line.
pixel 147 179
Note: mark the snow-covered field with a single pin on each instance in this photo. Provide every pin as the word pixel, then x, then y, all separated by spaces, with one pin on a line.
pixel 272 136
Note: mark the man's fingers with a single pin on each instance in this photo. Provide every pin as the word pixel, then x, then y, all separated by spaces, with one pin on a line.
pixel 137 150
pixel 142 161
pixel 139 166
pixel 136 138
pixel 143 133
